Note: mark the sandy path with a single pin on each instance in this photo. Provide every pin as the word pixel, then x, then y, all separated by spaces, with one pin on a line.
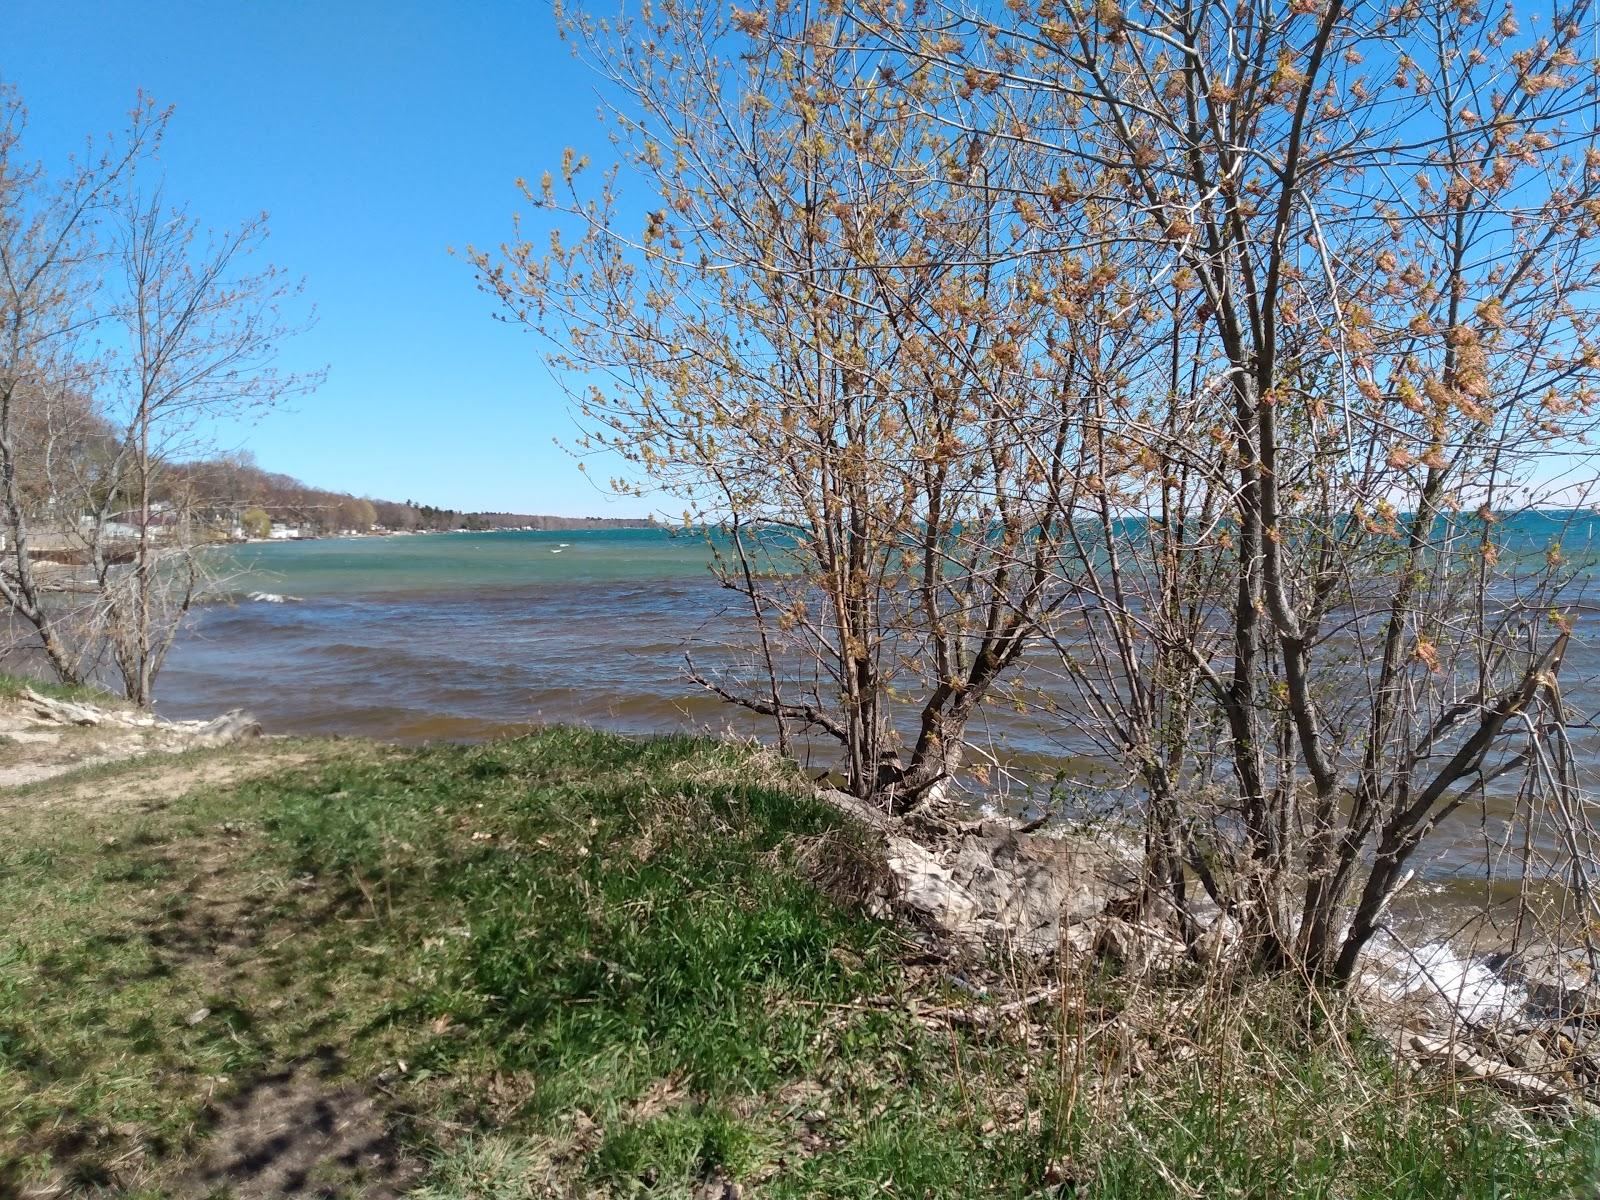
pixel 147 777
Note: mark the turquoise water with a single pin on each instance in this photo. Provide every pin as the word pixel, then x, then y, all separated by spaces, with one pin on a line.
pixel 475 635
pixel 470 634
pixel 442 562
pixel 447 561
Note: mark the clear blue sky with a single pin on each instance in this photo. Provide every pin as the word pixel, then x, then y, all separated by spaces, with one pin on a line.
pixel 375 135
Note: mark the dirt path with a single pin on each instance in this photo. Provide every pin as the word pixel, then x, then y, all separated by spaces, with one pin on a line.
pixel 293 1132
pixel 147 778
pixel 47 737
pixel 31 755
pixel 295 1125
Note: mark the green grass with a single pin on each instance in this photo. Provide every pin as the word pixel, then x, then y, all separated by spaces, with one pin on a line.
pixel 579 964
pixel 12 687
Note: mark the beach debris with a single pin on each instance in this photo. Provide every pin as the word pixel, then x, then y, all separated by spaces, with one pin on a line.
pixel 63 712
pixel 1526 1025
pixel 993 883
pixel 229 727
pixel 1460 1058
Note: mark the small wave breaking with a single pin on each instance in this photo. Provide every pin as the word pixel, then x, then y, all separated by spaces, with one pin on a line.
pixel 1437 971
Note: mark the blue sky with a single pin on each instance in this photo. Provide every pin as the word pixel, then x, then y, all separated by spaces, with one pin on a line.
pixel 375 135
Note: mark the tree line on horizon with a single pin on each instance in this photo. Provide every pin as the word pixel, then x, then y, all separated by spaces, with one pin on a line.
pixel 233 485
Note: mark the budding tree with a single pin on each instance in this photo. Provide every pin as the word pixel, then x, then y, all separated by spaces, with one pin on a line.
pixel 1367 286
pixel 799 324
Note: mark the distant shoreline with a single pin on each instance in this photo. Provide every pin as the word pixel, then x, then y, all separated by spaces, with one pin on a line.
pixel 352 535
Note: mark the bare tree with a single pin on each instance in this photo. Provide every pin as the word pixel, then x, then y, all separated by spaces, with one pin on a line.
pixel 187 330
pixel 50 253
pixel 203 327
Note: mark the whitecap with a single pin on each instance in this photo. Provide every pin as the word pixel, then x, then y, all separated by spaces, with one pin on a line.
pixel 1437 971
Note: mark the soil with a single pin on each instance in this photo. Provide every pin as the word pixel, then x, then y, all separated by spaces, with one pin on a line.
pixel 138 790
pixel 293 1133
pixel 29 755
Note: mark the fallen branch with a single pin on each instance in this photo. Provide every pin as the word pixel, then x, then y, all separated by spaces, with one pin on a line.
pixel 229 727
pixel 1524 1085
pixel 65 712
pixel 989 1014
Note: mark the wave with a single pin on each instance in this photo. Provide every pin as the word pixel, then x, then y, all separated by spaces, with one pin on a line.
pixel 224 599
pixel 1436 970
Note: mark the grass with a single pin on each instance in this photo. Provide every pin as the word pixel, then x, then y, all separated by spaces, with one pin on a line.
pixel 575 964
pixel 12 687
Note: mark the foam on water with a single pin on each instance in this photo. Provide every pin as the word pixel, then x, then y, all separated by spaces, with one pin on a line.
pixel 1438 971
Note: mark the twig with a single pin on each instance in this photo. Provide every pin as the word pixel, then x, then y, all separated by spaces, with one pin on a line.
pixel 988 1015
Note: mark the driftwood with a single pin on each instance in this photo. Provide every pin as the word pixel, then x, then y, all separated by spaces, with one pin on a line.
pixel 1524 1085
pixel 63 712
pixel 992 883
pixel 988 1015
pixel 230 727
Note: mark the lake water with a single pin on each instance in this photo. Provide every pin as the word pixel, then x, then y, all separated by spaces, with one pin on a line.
pixel 473 635
pixel 454 635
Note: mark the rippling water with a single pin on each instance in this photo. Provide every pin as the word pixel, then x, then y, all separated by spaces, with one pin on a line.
pixel 454 635
pixel 472 635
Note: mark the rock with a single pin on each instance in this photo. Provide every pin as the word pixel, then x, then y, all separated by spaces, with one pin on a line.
pixel 103 734
pixel 1028 888
pixel 1557 986
pixel 230 727
pixel 1583 1036
pixel 927 887
pixel 992 883
pixel 63 712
